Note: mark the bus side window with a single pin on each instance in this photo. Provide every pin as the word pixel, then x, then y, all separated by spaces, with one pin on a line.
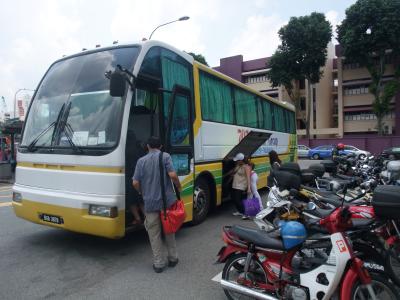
pixel 180 122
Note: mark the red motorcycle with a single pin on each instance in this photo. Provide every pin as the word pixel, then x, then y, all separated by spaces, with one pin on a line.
pixel 261 265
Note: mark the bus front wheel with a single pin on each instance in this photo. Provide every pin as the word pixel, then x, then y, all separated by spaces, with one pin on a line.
pixel 201 201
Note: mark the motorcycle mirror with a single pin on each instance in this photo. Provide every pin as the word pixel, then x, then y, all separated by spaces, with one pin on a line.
pixel 311 206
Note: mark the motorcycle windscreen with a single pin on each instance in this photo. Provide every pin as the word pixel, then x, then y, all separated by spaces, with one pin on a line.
pixel 249 144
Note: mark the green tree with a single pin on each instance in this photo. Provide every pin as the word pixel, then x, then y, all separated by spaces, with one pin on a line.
pixel 301 55
pixel 285 71
pixel 369 35
pixel 198 57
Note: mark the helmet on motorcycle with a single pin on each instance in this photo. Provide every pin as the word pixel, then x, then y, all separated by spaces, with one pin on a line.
pixel 293 233
pixel 340 146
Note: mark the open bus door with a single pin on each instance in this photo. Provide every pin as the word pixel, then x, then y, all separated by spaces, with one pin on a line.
pixel 248 146
pixel 178 141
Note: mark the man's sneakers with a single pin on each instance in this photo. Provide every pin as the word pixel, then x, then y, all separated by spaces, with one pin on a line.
pixel 171 264
pixel 237 214
pixel 158 269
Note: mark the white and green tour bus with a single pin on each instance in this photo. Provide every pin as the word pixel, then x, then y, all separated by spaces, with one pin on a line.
pixel 93 112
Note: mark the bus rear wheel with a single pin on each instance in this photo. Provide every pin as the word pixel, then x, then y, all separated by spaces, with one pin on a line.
pixel 201 201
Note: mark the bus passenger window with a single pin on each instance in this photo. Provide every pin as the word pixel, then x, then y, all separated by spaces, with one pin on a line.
pixel 180 122
pixel 143 118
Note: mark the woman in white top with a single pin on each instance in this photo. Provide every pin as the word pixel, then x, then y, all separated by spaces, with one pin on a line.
pixel 241 182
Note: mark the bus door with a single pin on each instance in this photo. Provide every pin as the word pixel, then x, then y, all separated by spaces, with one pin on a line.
pixel 179 141
pixel 177 106
pixel 144 122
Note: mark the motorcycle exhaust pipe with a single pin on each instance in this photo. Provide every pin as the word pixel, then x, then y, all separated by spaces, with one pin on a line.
pixel 245 290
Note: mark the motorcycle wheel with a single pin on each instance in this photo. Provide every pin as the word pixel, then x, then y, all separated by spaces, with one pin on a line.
pixel 384 290
pixel 233 270
pixel 392 264
pixel 372 259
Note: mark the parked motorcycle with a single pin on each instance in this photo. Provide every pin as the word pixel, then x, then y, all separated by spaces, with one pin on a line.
pixel 391 176
pixel 375 232
pixel 262 266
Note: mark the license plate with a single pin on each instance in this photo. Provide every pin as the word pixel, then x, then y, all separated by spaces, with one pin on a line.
pixel 51 219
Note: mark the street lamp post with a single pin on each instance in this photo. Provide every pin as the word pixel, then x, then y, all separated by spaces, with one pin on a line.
pixel 180 19
pixel 15 99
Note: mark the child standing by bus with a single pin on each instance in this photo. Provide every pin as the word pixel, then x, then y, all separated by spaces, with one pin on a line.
pixel 253 184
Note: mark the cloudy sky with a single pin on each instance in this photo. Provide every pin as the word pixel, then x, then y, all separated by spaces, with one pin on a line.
pixel 35 33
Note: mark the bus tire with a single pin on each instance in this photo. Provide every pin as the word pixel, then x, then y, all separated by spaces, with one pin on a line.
pixel 201 201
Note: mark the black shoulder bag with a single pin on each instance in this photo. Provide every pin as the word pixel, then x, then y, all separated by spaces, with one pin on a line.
pixel 162 180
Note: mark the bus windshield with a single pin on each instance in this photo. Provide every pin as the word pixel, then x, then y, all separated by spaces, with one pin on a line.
pixel 93 118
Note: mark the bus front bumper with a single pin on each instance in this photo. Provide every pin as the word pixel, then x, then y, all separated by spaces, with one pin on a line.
pixel 70 218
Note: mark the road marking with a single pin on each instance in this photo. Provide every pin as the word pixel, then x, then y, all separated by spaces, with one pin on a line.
pixel 218 277
pixel 4 204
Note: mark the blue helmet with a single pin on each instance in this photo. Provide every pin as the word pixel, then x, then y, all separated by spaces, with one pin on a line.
pixel 293 233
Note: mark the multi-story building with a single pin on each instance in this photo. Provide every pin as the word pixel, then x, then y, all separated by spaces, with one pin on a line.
pixel 341 103
pixel 355 101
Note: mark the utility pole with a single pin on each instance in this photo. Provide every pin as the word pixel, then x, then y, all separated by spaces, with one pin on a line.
pixel 3 108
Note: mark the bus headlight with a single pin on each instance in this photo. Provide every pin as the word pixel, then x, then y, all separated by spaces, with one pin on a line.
pixel 17 197
pixel 103 211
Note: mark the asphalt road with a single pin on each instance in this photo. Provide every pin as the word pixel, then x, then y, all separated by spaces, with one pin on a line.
pixel 38 262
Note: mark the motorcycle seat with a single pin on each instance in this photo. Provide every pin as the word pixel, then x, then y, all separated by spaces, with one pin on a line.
pixel 257 237
pixel 335 201
pixel 360 223
pixel 320 192
pixel 320 212
pixel 327 197
pixel 344 177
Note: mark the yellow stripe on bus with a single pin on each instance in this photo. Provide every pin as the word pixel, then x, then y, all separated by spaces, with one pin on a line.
pixel 74 168
pixel 213 166
pixel 197 121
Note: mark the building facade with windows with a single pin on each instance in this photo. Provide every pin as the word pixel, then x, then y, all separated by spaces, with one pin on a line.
pixel 341 104
pixel 356 101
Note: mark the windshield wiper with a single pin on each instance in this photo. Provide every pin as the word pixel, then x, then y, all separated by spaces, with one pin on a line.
pixel 68 134
pixel 66 128
pixel 31 146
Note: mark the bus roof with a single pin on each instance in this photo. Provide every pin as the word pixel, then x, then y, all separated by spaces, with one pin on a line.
pixel 143 44
pixel 146 45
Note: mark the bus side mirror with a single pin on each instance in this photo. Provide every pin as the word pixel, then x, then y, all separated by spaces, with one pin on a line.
pixel 117 84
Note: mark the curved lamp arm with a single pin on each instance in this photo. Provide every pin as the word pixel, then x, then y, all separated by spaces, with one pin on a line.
pixel 180 19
